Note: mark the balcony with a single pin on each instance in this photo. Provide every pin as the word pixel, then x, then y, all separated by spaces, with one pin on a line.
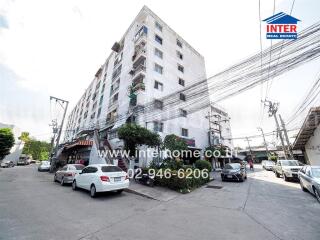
pixel 137 83
pixel 139 67
pixel 141 35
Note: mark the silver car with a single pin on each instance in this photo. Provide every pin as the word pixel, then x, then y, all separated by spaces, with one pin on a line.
pixel 268 165
pixel 44 166
pixel 288 169
pixel 7 164
pixel 309 177
pixel 67 173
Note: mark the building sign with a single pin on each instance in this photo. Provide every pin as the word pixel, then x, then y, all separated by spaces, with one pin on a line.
pixel 281 26
pixel 190 142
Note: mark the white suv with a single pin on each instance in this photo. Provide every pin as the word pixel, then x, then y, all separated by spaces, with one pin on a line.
pixel 101 178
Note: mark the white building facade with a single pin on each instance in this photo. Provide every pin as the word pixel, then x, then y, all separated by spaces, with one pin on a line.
pixel 148 64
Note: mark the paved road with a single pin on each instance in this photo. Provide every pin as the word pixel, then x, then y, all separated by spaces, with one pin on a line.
pixel 264 207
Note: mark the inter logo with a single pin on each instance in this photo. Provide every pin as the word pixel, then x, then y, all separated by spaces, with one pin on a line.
pixel 281 26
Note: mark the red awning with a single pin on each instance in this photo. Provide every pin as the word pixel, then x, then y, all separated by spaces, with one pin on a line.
pixel 84 143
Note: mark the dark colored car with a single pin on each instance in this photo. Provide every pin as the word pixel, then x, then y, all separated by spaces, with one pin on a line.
pixel 309 177
pixel 234 171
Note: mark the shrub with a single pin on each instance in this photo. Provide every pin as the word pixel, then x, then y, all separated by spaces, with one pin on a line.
pixel 184 182
pixel 203 164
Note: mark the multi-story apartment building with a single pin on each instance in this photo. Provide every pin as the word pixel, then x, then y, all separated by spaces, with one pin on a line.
pixel 150 62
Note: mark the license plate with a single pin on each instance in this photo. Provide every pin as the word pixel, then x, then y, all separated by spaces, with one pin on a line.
pixel 229 176
pixel 117 179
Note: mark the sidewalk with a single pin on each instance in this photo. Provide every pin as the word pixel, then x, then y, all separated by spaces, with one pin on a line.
pixel 155 193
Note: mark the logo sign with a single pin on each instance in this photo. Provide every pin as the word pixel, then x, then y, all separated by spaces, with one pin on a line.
pixel 281 26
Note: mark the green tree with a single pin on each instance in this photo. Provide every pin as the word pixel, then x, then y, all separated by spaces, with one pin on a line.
pixel 38 149
pixel 174 143
pixel 6 142
pixel 24 137
pixel 134 135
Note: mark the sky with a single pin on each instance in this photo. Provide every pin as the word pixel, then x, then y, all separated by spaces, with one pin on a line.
pixel 54 48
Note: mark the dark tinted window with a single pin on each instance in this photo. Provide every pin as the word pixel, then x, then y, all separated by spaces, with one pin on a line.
pixel 232 166
pixel 92 169
pixel 111 169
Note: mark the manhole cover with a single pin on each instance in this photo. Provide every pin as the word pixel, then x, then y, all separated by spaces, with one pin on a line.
pixel 215 187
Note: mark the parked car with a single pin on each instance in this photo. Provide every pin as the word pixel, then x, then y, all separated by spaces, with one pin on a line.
pixel 44 166
pixel 23 160
pixel 101 178
pixel 268 165
pixel 288 169
pixel 67 173
pixel 7 164
pixel 309 177
pixel 234 171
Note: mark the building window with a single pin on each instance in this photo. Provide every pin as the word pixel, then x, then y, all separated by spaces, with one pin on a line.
pixel 115 98
pixel 94 105
pixel 158 26
pixel 158 85
pixel 183 113
pixel 179 43
pixel 158 53
pixel 158 104
pixel 158 68
pixel 158 126
pixel 184 132
pixel 93 115
pixel 181 82
pixel 182 97
pixel 99 112
pixel 85 115
pixel 179 55
pixel 158 39
pixel 180 68
pixel 101 100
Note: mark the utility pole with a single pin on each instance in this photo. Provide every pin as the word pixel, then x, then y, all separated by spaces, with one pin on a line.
pixel 273 108
pixel 248 141
pixel 286 136
pixel 264 140
pixel 209 135
pixel 61 102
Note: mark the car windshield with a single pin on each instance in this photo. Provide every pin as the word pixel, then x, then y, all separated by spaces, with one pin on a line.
pixel 289 163
pixel 269 163
pixel 315 172
pixel 232 166
pixel 78 167
pixel 45 163
pixel 111 169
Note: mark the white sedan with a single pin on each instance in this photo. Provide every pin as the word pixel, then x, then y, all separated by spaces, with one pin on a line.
pixel 101 178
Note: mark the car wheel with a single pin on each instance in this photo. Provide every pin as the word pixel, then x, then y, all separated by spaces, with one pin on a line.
pixel 120 191
pixel 316 192
pixel 284 177
pixel 74 185
pixel 93 191
pixel 62 182
pixel 302 187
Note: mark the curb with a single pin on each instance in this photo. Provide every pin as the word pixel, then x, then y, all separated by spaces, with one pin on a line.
pixel 140 194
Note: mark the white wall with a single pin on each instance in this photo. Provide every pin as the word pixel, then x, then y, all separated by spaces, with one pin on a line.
pixel 313 148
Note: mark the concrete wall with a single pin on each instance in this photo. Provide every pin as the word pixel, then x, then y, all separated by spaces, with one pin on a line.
pixel 313 148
